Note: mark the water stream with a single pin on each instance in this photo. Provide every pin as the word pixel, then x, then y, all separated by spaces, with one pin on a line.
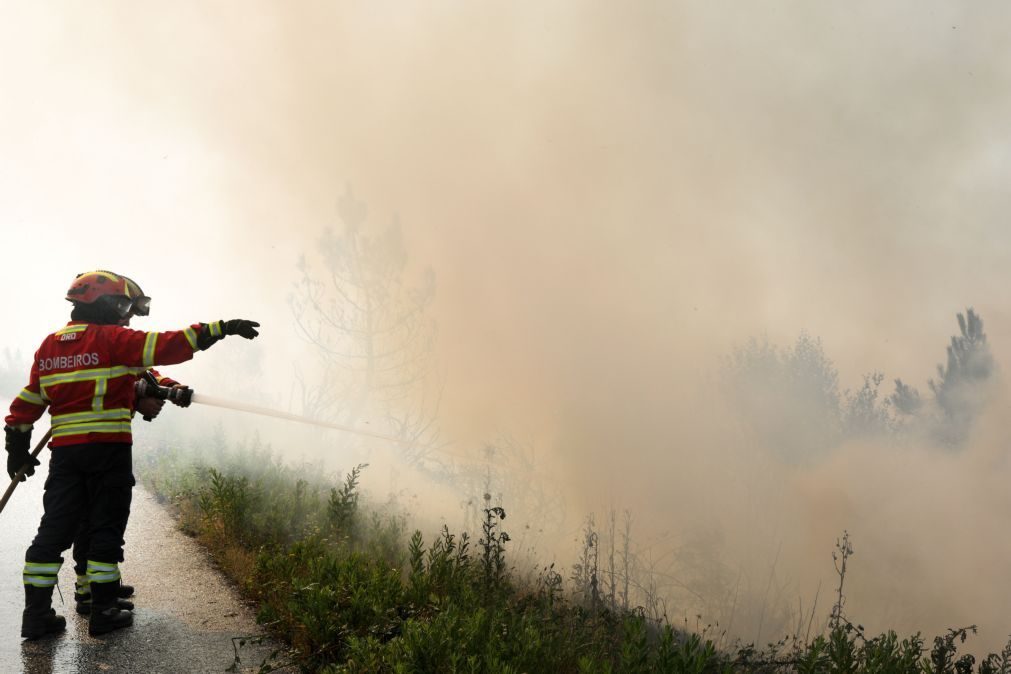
pixel 267 412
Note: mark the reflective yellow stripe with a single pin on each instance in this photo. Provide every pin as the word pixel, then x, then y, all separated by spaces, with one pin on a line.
pixel 41 574
pixel 89 375
pixel 191 337
pixel 92 427
pixel 98 402
pixel 102 566
pixel 216 328
pixel 149 345
pixel 106 274
pixel 76 375
pixel 118 414
pixel 99 572
pixel 99 420
pixel 103 577
pixel 29 397
pixel 71 328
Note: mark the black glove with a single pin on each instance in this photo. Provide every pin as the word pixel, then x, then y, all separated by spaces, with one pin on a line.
pixel 241 327
pixel 182 395
pixel 236 326
pixel 149 407
pixel 18 456
pixel 17 441
pixel 18 460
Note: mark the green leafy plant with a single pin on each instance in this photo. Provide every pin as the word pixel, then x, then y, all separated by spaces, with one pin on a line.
pixel 343 584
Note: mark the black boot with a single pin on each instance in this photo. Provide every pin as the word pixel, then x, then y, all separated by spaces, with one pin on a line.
pixel 82 596
pixel 125 591
pixel 83 601
pixel 39 619
pixel 106 616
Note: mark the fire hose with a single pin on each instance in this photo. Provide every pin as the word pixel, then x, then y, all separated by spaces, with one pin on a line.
pixel 148 387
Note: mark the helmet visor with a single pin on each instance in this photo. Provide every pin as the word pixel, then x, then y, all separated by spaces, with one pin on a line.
pixel 121 305
pixel 141 305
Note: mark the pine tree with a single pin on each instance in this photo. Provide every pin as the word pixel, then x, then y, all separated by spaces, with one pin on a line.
pixel 960 388
pixel 370 326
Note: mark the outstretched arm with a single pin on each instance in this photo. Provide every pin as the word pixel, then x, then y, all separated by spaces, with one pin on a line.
pixel 135 348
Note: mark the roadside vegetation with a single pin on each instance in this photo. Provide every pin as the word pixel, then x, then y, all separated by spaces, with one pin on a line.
pixel 351 589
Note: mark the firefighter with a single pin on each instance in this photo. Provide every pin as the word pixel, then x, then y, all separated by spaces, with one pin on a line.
pixel 85 374
pixel 148 407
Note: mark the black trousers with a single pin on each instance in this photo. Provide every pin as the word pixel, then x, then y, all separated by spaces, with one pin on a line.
pixel 82 544
pixel 92 482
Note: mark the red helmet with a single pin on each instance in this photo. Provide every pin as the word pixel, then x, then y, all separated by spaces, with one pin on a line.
pixel 104 287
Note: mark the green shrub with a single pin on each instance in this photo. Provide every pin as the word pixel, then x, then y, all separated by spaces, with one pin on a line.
pixel 344 586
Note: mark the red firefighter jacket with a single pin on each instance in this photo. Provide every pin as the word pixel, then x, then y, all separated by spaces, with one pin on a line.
pixel 85 373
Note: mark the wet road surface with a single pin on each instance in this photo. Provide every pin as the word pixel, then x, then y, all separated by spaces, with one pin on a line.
pixel 187 614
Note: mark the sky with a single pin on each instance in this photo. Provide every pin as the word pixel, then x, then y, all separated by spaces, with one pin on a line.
pixel 610 195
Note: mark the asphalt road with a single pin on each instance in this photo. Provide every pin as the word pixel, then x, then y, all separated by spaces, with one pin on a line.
pixel 187 613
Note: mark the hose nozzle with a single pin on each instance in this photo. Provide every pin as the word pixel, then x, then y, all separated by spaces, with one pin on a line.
pixel 147 387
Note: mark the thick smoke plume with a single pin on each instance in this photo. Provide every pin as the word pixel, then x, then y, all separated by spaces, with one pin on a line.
pixel 612 198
